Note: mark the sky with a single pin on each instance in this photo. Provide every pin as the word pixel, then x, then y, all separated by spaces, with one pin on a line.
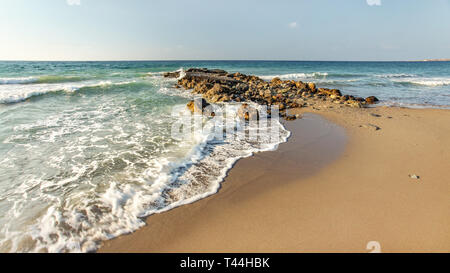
pixel 352 30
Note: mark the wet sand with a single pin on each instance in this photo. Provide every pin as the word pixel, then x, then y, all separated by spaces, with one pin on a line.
pixel 338 184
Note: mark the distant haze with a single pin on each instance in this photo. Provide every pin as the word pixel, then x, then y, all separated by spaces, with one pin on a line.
pixel 370 30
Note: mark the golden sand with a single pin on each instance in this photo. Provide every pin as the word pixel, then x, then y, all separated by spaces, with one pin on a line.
pixel 342 181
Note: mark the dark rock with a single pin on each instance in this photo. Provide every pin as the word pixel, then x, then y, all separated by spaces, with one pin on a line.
pixel 312 86
pixel 293 105
pixel 345 98
pixel 219 72
pixel 197 106
pixel 372 100
pixel 248 112
pixel 220 86
pixel 371 127
pixel 202 88
pixel 242 87
pixel 282 106
pixel 354 104
pixel 290 118
pixel 276 81
pixel 197 70
pixel 414 176
pixel 174 75
pixel 301 85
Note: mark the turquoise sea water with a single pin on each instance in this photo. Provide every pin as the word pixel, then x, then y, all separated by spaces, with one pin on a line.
pixel 86 149
pixel 404 83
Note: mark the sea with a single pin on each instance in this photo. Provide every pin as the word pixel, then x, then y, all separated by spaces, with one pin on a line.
pixel 87 150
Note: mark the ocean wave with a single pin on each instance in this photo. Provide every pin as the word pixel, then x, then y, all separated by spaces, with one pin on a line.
pixel 20 93
pixel 160 74
pixel 41 79
pixel 395 75
pixel 154 74
pixel 294 76
pixel 327 81
pixel 143 181
pixel 20 80
pixel 431 82
pixel 60 79
pixel 182 73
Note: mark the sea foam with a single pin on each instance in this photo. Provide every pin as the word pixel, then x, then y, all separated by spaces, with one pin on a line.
pixel 295 76
pixel 21 92
pixel 107 168
pixel 432 82
pixel 21 80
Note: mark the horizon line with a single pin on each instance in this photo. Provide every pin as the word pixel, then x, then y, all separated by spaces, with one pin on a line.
pixel 227 60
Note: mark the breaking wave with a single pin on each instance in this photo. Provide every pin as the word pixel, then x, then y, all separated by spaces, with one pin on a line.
pixel 19 93
pixel 41 79
pixel 21 80
pixel 295 76
pixel 395 75
pixel 432 82
pixel 108 169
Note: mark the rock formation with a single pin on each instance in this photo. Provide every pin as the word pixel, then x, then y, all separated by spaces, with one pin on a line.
pixel 217 86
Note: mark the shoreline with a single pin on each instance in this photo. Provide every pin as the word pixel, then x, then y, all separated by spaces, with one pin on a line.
pixel 109 186
pixel 311 127
pixel 320 191
pixel 363 194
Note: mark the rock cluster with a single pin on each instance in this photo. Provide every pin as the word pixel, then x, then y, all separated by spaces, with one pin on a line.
pixel 198 106
pixel 220 86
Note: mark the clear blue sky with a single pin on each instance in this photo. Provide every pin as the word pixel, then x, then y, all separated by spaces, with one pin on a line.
pixel 210 29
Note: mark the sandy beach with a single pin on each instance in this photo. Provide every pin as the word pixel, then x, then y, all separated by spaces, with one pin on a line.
pixel 341 181
pixel 230 127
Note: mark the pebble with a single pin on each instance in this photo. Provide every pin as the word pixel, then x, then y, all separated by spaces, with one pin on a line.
pixel 371 126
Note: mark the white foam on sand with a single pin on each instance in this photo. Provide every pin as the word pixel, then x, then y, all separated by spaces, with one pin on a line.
pixel 75 214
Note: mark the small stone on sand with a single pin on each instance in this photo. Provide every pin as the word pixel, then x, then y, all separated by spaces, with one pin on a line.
pixel 413 176
pixel 371 126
